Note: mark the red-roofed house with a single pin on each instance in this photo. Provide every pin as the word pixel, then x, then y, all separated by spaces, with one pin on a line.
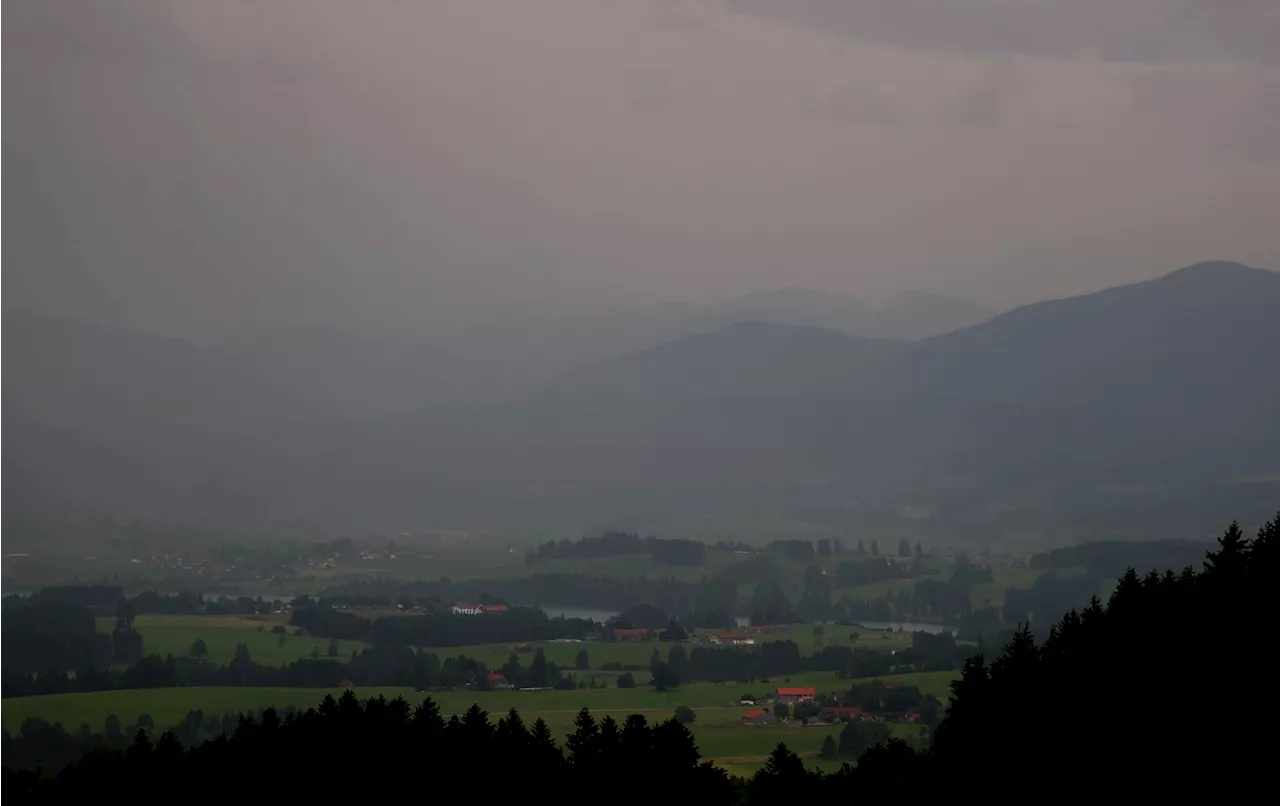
pixel 758 717
pixel 497 680
pixel 790 695
pixel 913 716
pixel 843 712
pixel 736 638
pixel 893 684
pixel 477 609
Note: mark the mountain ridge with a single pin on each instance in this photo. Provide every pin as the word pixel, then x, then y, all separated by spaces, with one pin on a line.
pixel 1165 382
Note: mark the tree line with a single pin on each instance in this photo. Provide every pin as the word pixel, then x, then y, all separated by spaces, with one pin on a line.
pixel 664 551
pixel 321 619
pixel 381 750
pixel 373 666
pixel 53 634
pixel 41 744
pixel 387 665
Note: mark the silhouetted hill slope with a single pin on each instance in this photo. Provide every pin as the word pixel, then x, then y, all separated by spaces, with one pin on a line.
pixel 907 316
pixel 1162 346
pixel 558 344
pixel 1156 377
pixel 1162 386
pixel 747 359
pixel 1166 387
pixel 790 306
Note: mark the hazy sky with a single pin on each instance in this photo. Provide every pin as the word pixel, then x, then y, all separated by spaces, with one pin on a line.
pixel 205 166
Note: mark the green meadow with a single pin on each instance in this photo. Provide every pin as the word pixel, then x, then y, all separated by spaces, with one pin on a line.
pixel 174 635
pixel 168 705
pixel 721 736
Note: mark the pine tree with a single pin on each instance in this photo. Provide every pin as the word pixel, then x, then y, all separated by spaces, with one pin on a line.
pixel 830 752
pixel 538 669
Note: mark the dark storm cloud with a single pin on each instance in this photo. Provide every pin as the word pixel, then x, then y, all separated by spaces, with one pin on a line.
pixel 1123 30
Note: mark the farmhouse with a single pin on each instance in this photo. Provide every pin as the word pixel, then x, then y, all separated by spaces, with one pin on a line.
pixel 477 609
pixel 842 712
pixel 735 638
pixel 759 718
pixel 497 680
pixel 630 635
pixel 790 695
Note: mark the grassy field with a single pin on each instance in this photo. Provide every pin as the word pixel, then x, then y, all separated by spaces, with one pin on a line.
pixel 565 654
pixel 168 705
pixel 174 635
pixel 810 640
pixel 166 634
pixel 720 734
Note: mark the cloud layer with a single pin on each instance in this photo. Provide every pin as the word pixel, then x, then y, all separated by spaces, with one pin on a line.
pixel 1148 31
pixel 202 167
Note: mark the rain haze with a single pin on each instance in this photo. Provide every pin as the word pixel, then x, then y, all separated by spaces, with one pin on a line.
pixel 412 167
pixel 663 376
pixel 415 264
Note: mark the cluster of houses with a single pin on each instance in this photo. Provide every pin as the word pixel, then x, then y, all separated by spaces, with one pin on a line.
pixel 478 609
pixel 833 713
pixel 731 638
pixel 498 680
pixel 718 639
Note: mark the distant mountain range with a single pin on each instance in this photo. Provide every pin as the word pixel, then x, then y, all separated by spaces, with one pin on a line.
pixel 366 377
pixel 1165 390
pixel 907 316
pixel 562 343
pixel 746 359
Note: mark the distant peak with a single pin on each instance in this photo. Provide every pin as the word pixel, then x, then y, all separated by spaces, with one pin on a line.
pixel 788 292
pixel 1214 267
pixel 758 326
